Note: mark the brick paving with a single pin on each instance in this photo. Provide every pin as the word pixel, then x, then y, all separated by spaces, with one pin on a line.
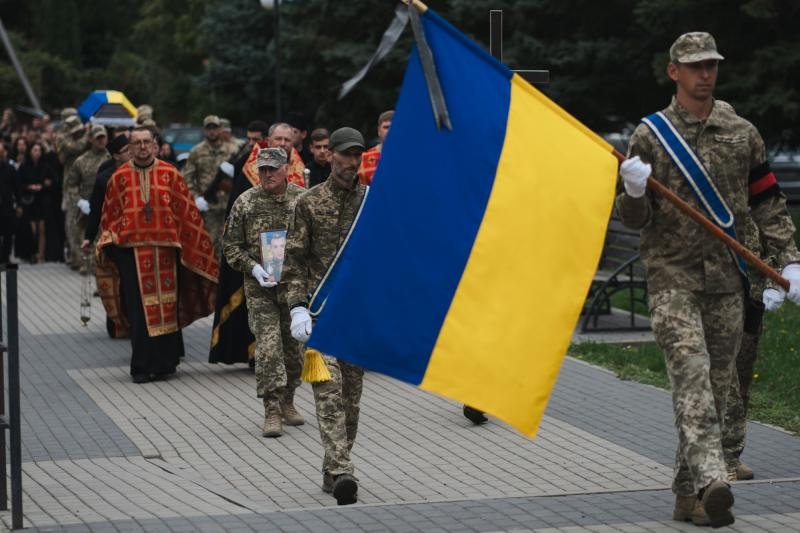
pixel 103 454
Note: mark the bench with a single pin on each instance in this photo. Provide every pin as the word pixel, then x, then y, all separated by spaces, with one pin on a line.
pixel 619 272
pixel 785 163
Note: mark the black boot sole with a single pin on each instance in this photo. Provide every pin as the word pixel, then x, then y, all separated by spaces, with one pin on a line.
pixel 718 502
pixel 345 491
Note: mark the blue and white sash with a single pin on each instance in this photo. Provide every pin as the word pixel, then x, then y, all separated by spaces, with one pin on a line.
pixel 318 298
pixel 696 175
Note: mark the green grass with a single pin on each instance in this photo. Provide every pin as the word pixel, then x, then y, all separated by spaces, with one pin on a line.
pixel 621 300
pixel 775 393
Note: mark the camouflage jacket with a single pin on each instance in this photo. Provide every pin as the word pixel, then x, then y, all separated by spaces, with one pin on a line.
pixel 69 149
pixel 201 168
pixel 676 251
pixel 322 218
pixel 81 176
pixel 255 211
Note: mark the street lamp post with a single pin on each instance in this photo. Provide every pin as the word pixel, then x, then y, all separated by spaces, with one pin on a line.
pixel 275 6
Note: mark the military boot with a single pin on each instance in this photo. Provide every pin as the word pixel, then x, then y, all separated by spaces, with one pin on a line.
pixel 744 472
pixel 345 489
pixel 717 502
pixel 327 482
pixel 290 415
pixel 272 421
pixel 474 416
pixel 689 509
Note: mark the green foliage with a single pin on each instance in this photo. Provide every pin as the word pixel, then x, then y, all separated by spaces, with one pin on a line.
pixel 642 362
pixel 192 57
pixel 775 393
pixel 323 45
pixel 776 385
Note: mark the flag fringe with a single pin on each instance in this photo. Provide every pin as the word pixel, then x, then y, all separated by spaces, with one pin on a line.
pixel 314 368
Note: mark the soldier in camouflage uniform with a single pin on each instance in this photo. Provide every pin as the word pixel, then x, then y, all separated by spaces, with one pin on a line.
pixel 278 356
pixel 200 170
pixel 695 288
pixel 234 144
pixel 79 181
pixel 143 112
pixel 73 143
pixel 63 131
pixel 735 420
pixel 322 219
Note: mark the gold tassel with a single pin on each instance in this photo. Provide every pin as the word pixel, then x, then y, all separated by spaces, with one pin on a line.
pixel 314 368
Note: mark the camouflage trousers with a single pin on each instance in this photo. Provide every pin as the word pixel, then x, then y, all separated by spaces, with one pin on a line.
pixel 74 229
pixel 214 221
pixel 278 356
pixel 735 424
pixel 699 334
pixel 338 406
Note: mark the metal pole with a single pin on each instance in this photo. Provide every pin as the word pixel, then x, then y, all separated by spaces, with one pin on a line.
pixel 18 67
pixel 496 48
pixel 277 40
pixel 13 396
pixel 3 348
pixel 496 33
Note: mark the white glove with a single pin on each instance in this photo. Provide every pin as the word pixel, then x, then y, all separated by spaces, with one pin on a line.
pixel 202 205
pixel 301 323
pixel 262 277
pixel 773 298
pixel 84 206
pixel 792 273
pixel 226 168
pixel 634 174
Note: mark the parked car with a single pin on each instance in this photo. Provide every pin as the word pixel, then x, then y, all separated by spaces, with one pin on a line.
pixel 182 138
pixel 786 166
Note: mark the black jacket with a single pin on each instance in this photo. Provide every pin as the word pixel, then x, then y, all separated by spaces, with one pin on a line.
pixel 97 198
pixel 9 189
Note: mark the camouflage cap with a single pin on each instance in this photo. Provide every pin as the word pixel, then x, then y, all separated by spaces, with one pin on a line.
pixel 73 124
pixel 225 124
pixel 211 120
pixel 96 131
pixel 144 109
pixel 147 123
pixel 271 157
pixel 346 138
pixel 694 47
pixel 68 112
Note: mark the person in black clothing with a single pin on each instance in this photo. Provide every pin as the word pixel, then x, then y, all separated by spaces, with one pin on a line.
pixel 120 153
pixel 299 121
pixel 38 181
pixel 319 166
pixel 231 338
pixel 10 208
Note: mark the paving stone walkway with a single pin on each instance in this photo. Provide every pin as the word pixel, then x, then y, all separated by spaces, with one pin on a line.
pixel 103 454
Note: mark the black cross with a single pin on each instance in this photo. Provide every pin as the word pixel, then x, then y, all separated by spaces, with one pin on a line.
pixel 148 212
pixel 496 48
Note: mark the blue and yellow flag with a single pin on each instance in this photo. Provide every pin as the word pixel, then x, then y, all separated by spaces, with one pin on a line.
pixel 470 263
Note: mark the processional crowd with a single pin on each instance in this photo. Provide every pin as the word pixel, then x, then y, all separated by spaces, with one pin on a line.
pixel 247 229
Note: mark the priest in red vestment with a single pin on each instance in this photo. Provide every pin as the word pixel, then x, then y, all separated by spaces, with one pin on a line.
pixel 371 158
pixel 156 269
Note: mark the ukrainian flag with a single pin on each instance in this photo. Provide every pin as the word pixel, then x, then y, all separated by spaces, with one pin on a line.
pixel 472 257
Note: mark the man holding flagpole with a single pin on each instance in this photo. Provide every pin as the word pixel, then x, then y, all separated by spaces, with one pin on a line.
pixel 714 160
pixel 322 220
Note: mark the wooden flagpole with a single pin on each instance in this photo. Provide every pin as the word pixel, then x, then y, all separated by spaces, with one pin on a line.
pixel 687 209
pixel 703 220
